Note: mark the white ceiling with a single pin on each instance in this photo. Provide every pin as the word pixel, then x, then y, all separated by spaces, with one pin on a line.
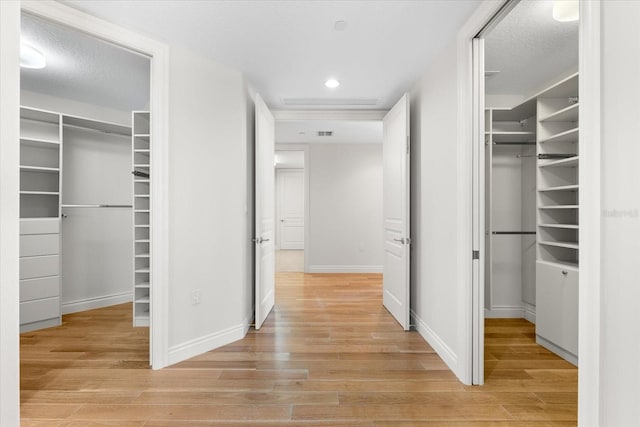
pixel 287 49
pixel 84 68
pixel 344 132
pixel 529 48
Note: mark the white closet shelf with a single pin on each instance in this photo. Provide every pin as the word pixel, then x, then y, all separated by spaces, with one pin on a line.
pixel 562 264
pixel 142 270
pixel 568 245
pixel 144 285
pixel 144 300
pixel 141 135
pixel 567 114
pixel 142 241
pixel 514 136
pixel 142 255
pixel 142 195
pixel 142 226
pixel 140 165
pixel 569 162
pixel 570 135
pixel 142 211
pixel 141 150
pixel 42 169
pixel 563 226
pixel 38 142
pixel 559 207
pixel 96 125
pixel 141 180
pixel 559 188
pixel 39 115
pixel 41 193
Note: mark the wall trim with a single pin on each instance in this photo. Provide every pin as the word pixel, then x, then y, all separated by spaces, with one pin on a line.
pixel 345 268
pixel 439 345
pixel 200 345
pixel 159 103
pixel 504 312
pixel 358 115
pixel 96 302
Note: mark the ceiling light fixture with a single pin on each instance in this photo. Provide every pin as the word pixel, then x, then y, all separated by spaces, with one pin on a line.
pixel 332 83
pixel 566 10
pixel 30 57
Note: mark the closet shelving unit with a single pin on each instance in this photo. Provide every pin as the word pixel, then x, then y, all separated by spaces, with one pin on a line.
pixel 40 189
pixel 141 147
pixel 558 206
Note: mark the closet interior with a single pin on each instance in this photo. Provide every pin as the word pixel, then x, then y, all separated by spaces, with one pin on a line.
pixel 531 174
pixel 85 145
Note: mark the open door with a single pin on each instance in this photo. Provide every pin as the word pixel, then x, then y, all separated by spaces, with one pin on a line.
pixel 478 217
pixel 264 238
pixel 395 152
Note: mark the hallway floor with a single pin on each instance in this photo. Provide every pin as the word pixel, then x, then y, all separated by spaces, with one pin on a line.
pixel 328 355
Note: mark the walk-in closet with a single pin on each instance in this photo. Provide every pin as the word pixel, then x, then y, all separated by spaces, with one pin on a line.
pixel 531 172
pixel 85 149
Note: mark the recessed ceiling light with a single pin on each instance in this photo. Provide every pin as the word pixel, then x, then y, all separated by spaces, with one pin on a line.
pixel 340 25
pixel 30 57
pixel 332 83
pixel 566 10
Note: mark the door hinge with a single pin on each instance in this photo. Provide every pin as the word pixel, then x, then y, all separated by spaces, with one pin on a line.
pixel 475 254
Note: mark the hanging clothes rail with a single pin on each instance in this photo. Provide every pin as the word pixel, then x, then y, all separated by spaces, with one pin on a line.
pixel 97 206
pixel 498 233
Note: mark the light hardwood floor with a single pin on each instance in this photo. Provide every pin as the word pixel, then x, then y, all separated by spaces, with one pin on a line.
pixel 329 355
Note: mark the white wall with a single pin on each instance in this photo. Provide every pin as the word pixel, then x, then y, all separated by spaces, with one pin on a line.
pixel 9 213
pixel 208 204
pixel 436 293
pixel 345 208
pixel 620 276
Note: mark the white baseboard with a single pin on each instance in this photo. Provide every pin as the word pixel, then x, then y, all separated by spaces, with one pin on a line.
pixel 530 312
pixel 345 269
pixel 197 346
pixel 97 302
pixel 569 357
pixel 441 348
pixel 504 312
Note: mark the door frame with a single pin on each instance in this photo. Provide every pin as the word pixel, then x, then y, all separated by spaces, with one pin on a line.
pixel 159 56
pixel 589 303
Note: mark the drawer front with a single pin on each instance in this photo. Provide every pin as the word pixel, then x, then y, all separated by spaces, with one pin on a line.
pixel 557 305
pixel 35 311
pixel 44 287
pixel 42 266
pixel 39 244
pixel 40 226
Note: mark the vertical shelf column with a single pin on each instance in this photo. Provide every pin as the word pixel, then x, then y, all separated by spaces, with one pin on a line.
pixel 141 147
pixel 40 190
pixel 557 218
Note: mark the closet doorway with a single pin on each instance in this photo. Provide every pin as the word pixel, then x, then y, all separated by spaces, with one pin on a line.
pixel 526 62
pixel 85 163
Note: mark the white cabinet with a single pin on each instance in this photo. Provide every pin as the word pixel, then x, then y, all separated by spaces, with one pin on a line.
pixel 557 309
pixel 40 184
pixel 141 146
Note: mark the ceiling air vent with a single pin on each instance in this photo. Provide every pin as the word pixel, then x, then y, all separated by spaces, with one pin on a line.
pixel 325 133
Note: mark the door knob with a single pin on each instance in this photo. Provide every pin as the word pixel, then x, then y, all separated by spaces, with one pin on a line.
pixel 565 272
pixel 259 240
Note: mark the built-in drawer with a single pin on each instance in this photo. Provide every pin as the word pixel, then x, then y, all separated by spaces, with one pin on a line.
pixel 39 266
pixel 43 287
pixel 35 311
pixel 39 244
pixel 557 305
pixel 40 226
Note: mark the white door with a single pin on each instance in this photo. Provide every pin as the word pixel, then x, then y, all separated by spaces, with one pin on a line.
pixel 395 153
pixel 265 211
pixel 478 195
pixel 290 189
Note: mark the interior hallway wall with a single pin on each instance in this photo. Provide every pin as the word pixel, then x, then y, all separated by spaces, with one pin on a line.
pixel 345 208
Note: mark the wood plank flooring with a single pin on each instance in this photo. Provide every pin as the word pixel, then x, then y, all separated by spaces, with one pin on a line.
pixel 329 355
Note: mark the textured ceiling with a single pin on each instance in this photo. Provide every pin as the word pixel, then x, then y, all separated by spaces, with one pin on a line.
pixel 84 68
pixel 529 48
pixel 356 132
pixel 287 49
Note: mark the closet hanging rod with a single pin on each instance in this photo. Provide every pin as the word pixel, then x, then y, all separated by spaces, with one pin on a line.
pixel 513 143
pixel 512 232
pixel 88 129
pixel 97 206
